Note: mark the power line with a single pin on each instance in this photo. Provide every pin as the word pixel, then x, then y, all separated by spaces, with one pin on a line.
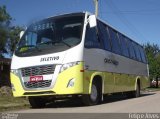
pixel 137 12
pixel 123 19
pixel 141 10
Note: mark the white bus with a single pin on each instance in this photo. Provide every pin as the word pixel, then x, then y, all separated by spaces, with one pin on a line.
pixel 76 55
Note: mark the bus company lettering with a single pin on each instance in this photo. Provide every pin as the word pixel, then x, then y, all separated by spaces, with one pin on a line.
pixel 111 61
pixel 49 58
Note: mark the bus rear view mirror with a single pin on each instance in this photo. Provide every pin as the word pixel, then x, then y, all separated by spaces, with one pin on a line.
pixel 92 21
pixel 21 34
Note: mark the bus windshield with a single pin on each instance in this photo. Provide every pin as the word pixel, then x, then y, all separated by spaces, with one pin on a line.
pixel 51 35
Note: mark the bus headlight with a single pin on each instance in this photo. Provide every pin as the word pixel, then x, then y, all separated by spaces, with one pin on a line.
pixel 68 65
pixel 15 71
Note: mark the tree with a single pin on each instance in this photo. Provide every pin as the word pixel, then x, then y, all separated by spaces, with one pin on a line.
pixel 13 38
pixel 5 20
pixel 9 35
pixel 153 56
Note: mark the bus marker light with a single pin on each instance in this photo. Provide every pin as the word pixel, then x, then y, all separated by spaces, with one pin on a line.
pixel 82 70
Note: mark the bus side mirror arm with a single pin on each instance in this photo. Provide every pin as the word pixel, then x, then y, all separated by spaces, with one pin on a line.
pixel 92 21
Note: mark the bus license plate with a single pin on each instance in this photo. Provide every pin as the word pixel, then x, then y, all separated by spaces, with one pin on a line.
pixel 36 78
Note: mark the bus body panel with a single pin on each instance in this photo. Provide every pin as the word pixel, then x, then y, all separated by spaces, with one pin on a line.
pixel 20 62
pixel 59 79
pixel 61 86
pixel 118 77
pixel 70 55
pixel 111 84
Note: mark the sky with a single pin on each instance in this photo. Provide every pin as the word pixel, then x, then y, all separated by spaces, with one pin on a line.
pixel 138 19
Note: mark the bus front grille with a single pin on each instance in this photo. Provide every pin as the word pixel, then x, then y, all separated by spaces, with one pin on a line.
pixel 38 70
pixel 38 84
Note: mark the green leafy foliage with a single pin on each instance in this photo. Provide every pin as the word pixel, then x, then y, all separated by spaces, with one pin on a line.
pixel 9 35
pixel 153 56
pixel 3 36
pixel 4 16
pixel 14 37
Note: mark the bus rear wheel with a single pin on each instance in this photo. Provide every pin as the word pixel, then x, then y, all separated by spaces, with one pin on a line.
pixel 94 97
pixel 36 102
pixel 137 91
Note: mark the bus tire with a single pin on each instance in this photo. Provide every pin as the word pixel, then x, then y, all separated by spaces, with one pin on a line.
pixel 134 94
pixel 36 102
pixel 137 91
pixel 94 97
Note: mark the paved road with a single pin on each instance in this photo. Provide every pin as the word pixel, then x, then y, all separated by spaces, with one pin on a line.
pixel 149 102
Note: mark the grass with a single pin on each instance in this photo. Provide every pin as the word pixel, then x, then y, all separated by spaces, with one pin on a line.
pixel 8 103
pixel 153 89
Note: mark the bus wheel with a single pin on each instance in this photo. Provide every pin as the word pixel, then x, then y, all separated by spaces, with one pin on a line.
pixel 94 97
pixel 36 102
pixel 134 94
pixel 137 91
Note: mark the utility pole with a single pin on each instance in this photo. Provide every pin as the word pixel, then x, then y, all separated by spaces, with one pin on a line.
pixel 96 7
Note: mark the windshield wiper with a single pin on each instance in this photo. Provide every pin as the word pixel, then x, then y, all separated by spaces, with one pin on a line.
pixel 54 42
pixel 49 42
pixel 65 43
pixel 29 46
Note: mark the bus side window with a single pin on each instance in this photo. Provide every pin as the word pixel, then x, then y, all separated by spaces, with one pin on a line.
pixel 131 50
pixel 91 40
pixel 115 41
pixel 31 38
pixel 103 34
pixel 143 57
pixel 124 47
pixel 137 51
